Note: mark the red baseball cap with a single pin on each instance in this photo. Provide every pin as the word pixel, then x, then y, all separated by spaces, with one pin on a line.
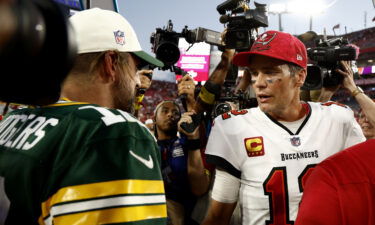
pixel 278 45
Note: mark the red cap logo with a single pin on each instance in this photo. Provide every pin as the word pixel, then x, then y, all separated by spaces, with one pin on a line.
pixel 263 42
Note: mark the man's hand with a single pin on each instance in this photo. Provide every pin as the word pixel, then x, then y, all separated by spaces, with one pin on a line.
pixel 347 73
pixel 186 85
pixel 145 76
pixel 186 117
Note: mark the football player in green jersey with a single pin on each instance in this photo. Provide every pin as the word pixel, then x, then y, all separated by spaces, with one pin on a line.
pixel 85 159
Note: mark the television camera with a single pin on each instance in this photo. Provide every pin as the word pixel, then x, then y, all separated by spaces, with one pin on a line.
pixel 241 22
pixel 36 37
pixel 327 56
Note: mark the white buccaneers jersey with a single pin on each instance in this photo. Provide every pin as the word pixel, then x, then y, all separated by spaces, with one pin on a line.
pixel 272 162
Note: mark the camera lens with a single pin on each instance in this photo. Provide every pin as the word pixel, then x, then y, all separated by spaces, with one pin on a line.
pixel 168 53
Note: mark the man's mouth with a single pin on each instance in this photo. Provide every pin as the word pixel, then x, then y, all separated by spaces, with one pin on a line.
pixel 263 98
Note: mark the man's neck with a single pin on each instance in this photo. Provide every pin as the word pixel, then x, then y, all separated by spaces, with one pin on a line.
pixel 292 113
pixel 85 93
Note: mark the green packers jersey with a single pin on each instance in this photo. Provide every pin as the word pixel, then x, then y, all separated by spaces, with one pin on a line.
pixel 77 163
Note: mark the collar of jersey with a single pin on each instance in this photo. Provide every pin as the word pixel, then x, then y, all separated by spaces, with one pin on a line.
pixel 308 114
pixel 65 102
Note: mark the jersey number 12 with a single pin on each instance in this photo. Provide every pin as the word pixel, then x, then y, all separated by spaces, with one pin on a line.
pixel 276 187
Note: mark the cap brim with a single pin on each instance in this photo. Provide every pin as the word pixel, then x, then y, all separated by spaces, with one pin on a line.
pixel 241 59
pixel 148 58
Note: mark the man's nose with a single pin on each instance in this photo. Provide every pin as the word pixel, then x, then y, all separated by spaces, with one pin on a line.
pixel 260 81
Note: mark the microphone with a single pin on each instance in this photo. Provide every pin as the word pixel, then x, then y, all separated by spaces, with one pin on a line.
pixel 224 19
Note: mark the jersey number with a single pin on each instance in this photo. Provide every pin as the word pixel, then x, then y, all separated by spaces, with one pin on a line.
pixel 226 115
pixel 109 117
pixel 276 187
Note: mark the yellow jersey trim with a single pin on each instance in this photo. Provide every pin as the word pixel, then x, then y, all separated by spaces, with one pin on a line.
pixel 102 189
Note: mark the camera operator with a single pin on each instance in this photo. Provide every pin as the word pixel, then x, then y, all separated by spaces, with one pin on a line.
pixel 367 113
pixel 262 153
pixel 367 105
pixel 83 160
pixel 182 165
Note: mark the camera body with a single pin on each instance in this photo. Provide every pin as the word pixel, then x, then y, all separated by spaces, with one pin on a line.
pixel 241 22
pixel 165 44
pixel 228 98
pixel 327 56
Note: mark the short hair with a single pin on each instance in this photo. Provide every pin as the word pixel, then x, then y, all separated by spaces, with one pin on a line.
pixel 293 68
pixel 162 103
pixel 87 63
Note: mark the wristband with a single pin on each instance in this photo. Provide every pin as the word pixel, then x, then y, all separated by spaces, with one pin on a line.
pixel 357 91
pixel 192 145
pixel 209 92
pixel 138 101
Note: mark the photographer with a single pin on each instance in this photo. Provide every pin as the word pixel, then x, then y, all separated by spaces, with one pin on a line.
pixel 182 165
pixel 367 105
pixel 261 154
pixel 367 113
pixel 86 159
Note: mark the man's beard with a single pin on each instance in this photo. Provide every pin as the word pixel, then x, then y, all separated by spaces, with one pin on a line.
pixel 123 96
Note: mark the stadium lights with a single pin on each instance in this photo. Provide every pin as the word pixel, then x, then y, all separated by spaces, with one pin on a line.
pixel 306 7
pixel 277 8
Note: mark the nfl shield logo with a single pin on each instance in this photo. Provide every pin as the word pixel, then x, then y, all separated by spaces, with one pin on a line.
pixel 119 37
pixel 295 141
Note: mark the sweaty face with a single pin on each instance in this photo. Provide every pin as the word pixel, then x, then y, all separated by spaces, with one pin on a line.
pixel 273 84
pixel 124 89
pixel 167 117
pixel 367 129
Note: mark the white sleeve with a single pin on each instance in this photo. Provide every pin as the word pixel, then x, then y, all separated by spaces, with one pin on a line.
pixel 226 187
pixel 222 150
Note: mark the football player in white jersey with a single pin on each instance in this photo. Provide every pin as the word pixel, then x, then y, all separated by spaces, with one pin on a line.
pixel 263 154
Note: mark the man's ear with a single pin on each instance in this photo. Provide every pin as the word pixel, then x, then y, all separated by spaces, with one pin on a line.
pixel 301 77
pixel 109 67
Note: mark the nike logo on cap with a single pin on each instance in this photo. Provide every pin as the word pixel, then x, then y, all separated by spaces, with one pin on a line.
pixel 149 163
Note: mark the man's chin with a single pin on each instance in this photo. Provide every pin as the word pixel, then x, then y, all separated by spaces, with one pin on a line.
pixel 264 107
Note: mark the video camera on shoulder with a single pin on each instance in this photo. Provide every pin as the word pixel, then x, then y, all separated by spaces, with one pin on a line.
pixel 241 21
pixel 327 56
